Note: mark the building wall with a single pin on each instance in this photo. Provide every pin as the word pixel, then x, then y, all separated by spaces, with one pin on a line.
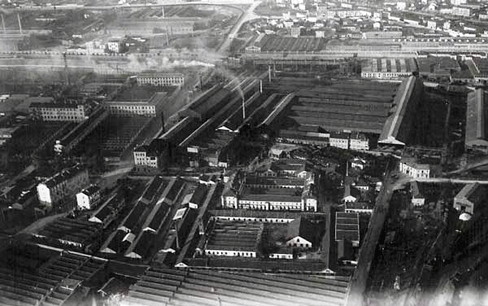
pixel 413 172
pixel 299 242
pixel 280 256
pixel 165 80
pixel 141 159
pixel 230 253
pixel 87 202
pixel 48 196
pixel 464 205
pixel 59 113
pixel 339 143
pixel 139 108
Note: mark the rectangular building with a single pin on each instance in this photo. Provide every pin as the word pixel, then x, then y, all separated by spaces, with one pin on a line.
pixel 70 111
pixel 391 69
pixel 475 139
pixel 63 185
pixel 145 107
pixel 161 79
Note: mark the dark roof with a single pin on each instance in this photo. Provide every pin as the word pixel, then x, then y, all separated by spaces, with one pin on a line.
pixel 175 189
pixel 199 195
pixel 64 175
pixel 159 217
pixel 144 243
pixel 303 228
pixel 134 216
pixel 347 226
pixel 91 190
pixel 155 185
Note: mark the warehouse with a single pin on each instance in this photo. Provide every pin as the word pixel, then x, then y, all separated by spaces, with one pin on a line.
pixel 476 112
pixel 398 125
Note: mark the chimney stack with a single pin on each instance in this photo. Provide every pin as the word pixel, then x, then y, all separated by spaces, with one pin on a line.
pixel 3 24
pixel 260 86
pixel 269 74
pixel 20 23
pixel 243 109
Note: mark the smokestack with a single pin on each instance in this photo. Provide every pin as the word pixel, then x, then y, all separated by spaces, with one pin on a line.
pixel 269 74
pixel 162 122
pixel 177 238
pixel 66 72
pixel 167 39
pixel 260 86
pixel 162 10
pixel 20 23
pixel 3 24
pixel 243 109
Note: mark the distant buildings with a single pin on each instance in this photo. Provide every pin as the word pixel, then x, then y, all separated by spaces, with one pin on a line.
pixel 301 234
pixel 61 186
pixel 476 121
pixel 160 79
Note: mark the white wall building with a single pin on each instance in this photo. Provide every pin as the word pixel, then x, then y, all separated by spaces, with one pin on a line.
pixel 89 197
pixel 413 169
pixel 161 79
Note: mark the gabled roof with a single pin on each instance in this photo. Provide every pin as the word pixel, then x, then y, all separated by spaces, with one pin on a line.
pixel 91 190
pixel 302 228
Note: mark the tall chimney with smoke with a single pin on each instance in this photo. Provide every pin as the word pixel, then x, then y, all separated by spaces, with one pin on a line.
pixel 3 24
pixel 20 23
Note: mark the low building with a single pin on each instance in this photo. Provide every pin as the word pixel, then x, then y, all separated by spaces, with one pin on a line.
pixel 418 199
pixel 347 227
pixel 301 234
pixel 61 186
pixel 390 69
pixel 89 197
pixel 410 167
pixel 282 253
pixel 471 196
pixel 235 239
pixel 358 163
pixel 160 79
pixel 151 155
pixel 358 142
pixel 461 11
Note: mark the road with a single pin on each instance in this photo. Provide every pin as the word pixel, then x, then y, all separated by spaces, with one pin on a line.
pixel 248 15
pixel 359 280
pixel 449 180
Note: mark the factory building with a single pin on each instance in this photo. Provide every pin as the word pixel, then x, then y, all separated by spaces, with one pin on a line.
pixel 145 107
pixel 133 27
pixel 470 197
pixel 397 127
pixel 475 139
pixel 61 186
pixel 56 111
pixel 89 197
pixel 160 79
pixel 390 69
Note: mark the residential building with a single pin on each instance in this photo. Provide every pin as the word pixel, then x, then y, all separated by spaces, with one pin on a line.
pixel 411 168
pixel 358 142
pixel 89 197
pixel 461 11
pixel 358 163
pixel 62 185
pixel 114 45
pixel 301 234
pixel 295 31
pixel 282 253
pixel 152 155
pixel 470 197
pixel 161 79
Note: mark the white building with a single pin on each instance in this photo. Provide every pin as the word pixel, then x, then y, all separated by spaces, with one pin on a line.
pixel 461 11
pixel 358 142
pixel 161 79
pixel 59 111
pixel 114 45
pixel 301 234
pixel 390 69
pixel 89 197
pixel 339 140
pixel 148 107
pixel 282 253
pixel 409 167
pixel 418 198
pixel 61 186
pixel 471 196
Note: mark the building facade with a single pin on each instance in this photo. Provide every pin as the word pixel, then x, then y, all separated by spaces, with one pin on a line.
pixel 161 79
pixel 58 111
pixel 413 169
pixel 61 186
pixel 89 197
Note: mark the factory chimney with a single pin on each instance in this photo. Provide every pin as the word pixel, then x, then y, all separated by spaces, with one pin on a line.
pixel 162 10
pixel 3 24
pixel 20 23
pixel 243 109
pixel 66 72
pixel 260 86
pixel 269 74
pixel 177 238
pixel 162 123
